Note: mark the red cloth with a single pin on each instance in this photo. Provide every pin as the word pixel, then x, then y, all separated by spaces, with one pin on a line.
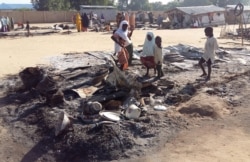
pixel 123 57
pixel 148 61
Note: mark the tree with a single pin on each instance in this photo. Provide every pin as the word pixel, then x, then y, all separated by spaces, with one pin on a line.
pixel 40 5
pixel 136 5
pixel 122 4
pixel 223 3
pixel 157 6
pixel 133 5
pixel 187 3
pixel 46 5
pixel 75 4
pixel 220 3
pixel 60 5
pixel 172 5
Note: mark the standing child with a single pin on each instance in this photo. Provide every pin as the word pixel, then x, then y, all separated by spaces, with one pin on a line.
pixel 158 56
pixel 147 57
pixel 209 53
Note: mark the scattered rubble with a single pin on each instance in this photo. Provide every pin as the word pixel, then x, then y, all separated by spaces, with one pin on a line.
pixel 83 108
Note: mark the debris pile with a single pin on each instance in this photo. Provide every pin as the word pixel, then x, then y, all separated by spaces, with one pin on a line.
pixel 92 112
pixel 84 107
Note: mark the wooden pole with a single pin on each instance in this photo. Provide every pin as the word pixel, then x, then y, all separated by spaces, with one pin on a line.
pixel 241 28
pixel 242 31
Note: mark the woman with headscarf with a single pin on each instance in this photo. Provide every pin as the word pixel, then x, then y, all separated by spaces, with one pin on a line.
pixel 122 40
pixel 85 22
pixel 124 33
pixel 147 57
pixel 78 22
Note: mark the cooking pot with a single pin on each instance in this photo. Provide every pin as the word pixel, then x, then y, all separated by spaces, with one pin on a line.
pixel 91 108
pixel 132 112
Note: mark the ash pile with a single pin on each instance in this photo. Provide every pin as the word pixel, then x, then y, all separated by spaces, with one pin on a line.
pixel 90 112
pixel 83 108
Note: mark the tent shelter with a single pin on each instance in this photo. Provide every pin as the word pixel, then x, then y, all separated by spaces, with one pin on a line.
pixel 109 12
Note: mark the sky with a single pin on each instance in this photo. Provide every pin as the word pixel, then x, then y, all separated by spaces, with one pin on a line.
pixel 15 1
pixel 28 1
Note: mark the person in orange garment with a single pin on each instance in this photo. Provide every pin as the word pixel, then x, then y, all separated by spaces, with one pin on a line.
pixel 126 34
pixel 78 22
pixel 122 53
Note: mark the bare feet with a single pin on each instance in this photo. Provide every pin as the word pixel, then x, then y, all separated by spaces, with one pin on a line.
pixel 203 75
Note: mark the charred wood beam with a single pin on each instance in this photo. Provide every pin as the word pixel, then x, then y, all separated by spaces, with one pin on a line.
pixel 93 81
pixel 107 97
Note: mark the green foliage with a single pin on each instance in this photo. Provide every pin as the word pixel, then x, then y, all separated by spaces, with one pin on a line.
pixel 172 5
pixel 140 5
pixel 158 6
pixel 136 5
pixel 220 3
pixel 56 5
pixel 48 5
pixel 122 5
pixel 223 3
pixel 187 3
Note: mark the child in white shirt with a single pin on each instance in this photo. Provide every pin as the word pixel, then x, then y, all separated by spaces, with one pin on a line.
pixel 209 52
pixel 158 56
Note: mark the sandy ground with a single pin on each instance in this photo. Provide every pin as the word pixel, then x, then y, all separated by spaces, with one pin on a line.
pixel 20 52
pixel 220 140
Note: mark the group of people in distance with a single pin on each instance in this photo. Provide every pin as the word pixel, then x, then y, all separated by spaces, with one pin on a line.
pixel 85 20
pixel 81 21
pixel 151 54
pixel 6 24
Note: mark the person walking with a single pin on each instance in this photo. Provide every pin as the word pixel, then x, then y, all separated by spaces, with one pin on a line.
pixel 209 53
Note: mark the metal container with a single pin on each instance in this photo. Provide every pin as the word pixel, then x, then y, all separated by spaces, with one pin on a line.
pixel 133 112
